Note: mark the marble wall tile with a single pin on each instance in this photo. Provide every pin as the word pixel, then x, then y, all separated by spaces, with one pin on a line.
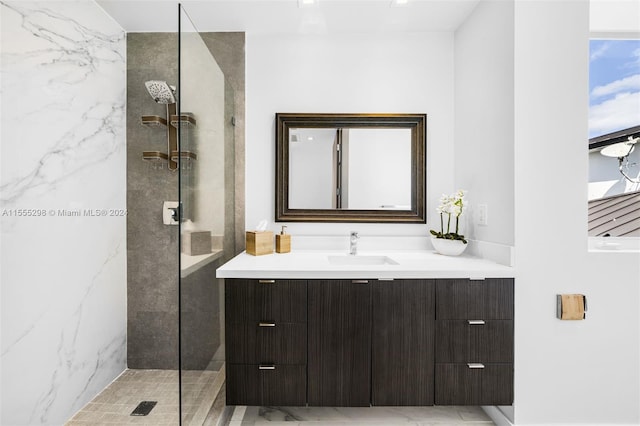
pixel 63 160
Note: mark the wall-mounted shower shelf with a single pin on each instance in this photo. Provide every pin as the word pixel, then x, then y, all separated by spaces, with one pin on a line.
pixel 184 155
pixel 185 119
pixel 153 121
pixel 154 155
pixel 172 156
pixel 175 155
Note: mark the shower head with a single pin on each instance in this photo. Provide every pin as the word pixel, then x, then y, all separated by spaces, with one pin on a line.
pixel 161 92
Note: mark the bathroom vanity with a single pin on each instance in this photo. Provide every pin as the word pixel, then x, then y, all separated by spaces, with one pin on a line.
pixel 306 329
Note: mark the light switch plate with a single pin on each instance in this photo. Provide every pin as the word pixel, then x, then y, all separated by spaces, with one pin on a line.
pixel 483 213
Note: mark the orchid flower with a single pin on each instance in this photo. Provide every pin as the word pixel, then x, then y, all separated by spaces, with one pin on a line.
pixel 450 205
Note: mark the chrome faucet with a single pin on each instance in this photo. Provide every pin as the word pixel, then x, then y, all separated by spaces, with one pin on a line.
pixel 353 243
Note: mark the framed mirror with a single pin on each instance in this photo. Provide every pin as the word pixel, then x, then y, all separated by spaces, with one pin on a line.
pixel 350 167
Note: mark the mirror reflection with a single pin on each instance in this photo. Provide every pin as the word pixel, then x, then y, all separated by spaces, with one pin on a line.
pixel 350 168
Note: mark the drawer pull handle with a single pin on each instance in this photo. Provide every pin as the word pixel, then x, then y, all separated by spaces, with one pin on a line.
pixel 266 367
pixel 266 324
pixel 475 322
pixel 267 281
pixel 359 281
pixel 475 365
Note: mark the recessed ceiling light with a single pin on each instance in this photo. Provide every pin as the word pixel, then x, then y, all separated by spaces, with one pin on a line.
pixel 307 3
pixel 396 3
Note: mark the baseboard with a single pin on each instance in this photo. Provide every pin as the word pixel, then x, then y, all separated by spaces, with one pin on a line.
pixel 496 415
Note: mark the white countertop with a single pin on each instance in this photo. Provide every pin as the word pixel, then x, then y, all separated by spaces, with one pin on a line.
pixel 307 264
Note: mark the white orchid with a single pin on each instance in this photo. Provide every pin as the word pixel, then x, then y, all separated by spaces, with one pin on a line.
pixel 450 205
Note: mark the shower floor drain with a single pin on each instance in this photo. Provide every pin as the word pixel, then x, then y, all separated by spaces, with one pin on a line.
pixel 144 408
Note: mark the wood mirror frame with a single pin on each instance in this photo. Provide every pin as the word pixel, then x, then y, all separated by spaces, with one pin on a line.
pixel 416 122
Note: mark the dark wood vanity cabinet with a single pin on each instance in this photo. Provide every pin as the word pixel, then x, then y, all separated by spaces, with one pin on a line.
pixel 339 364
pixel 403 332
pixel 371 342
pixel 362 342
pixel 266 341
pixel 474 342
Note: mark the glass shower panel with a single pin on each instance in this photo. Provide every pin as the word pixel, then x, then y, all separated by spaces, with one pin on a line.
pixel 205 157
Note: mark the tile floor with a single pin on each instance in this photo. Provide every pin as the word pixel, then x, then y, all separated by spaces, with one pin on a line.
pixel 351 416
pixel 113 406
pixel 116 402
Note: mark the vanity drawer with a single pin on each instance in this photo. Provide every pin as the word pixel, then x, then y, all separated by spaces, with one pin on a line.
pixel 252 300
pixel 474 384
pixel 464 341
pixel 266 342
pixel 266 384
pixel 487 299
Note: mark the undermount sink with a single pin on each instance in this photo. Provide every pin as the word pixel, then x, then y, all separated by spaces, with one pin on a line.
pixel 361 260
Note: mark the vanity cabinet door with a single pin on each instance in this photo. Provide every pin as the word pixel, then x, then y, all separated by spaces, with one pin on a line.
pixel 474 342
pixel 266 341
pixel 491 298
pixel 266 384
pixel 339 333
pixel 474 384
pixel 250 300
pixel 403 342
pixel 255 343
pixel 285 385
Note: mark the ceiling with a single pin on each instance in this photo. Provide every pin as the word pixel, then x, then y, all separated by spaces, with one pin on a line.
pixel 285 17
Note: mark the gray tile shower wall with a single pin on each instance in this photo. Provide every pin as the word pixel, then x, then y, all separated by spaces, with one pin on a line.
pixel 152 248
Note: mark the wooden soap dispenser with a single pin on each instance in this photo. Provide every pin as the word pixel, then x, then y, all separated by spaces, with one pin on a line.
pixel 283 242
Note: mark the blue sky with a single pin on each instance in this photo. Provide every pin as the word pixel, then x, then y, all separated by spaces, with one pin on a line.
pixel 614 85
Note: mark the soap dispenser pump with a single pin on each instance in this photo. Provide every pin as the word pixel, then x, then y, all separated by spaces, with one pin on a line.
pixel 283 242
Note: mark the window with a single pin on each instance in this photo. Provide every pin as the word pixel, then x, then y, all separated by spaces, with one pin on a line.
pixel 614 126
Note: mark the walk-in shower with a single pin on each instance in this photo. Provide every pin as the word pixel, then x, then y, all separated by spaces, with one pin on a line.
pixel 175 333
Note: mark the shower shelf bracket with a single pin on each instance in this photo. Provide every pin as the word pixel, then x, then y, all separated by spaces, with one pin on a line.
pixel 186 119
pixel 172 155
pixel 154 121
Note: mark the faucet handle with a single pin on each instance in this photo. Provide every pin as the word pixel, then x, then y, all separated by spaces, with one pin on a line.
pixel 354 234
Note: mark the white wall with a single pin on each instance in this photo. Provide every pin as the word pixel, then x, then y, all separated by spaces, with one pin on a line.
pixel 582 372
pixel 484 119
pixel 379 72
pixel 609 17
pixel 63 148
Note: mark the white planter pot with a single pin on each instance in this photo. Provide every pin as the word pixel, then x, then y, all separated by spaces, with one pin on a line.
pixel 448 247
